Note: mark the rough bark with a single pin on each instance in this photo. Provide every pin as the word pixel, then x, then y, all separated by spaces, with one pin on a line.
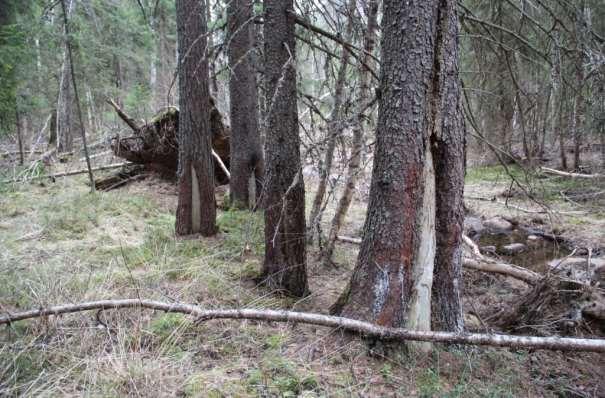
pixel 559 98
pixel 353 168
pixel 581 38
pixel 196 210
pixel 335 127
pixel 578 110
pixel 156 142
pixel 66 114
pixel 247 163
pixel 414 219
pixel 284 266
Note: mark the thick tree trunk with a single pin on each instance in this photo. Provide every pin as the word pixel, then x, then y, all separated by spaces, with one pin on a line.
pixel 285 261
pixel 335 128
pixel 414 221
pixel 353 168
pixel 247 163
pixel 196 211
pixel 66 113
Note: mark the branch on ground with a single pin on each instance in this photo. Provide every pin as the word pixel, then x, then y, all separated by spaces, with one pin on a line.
pixel 349 325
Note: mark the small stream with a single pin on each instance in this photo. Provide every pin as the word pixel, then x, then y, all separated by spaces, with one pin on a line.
pixel 536 255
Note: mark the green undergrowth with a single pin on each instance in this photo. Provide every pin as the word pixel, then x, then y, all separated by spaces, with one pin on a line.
pixel 541 186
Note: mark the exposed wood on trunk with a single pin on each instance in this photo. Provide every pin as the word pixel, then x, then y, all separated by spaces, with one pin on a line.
pixel 156 142
pixel 423 58
pixel 196 209
pixel 247 162
pixel 349 325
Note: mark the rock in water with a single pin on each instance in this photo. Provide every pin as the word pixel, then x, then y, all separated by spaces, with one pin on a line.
pixel 513 248
pixel 473 226
pixel 498 225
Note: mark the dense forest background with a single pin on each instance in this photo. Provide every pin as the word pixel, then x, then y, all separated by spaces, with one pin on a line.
pixel 532 73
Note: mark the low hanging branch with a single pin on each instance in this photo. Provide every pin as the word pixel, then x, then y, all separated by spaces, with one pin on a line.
pixel 349 325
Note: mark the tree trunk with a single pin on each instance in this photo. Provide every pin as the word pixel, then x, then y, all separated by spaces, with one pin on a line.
pixel 353 168
pixel 19 134
pixel 412 233
pixel 284 266
pixel 66 114
pixel 578 105
pixel 334 130
pixel 246 153
pixel 578 109
pixel 211 65
pixel 196 211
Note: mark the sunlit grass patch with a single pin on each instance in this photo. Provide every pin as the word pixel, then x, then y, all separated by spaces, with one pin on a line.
pixel 493 174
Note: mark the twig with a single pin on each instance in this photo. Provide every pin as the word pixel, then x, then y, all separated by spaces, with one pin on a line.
pixel 350 325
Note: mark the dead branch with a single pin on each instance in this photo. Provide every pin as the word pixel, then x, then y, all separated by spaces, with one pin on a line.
pixel 482 263
pixel 127 119
pixel 571 175
pixel 349 325
pixel 221 164
pixel 68 173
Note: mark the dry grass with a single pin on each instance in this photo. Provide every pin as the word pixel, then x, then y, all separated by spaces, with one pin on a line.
pixel 62 244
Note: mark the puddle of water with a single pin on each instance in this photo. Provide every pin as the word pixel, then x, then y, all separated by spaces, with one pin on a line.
pixel 536 255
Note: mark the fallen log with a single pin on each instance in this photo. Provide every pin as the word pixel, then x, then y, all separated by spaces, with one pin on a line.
pixel 346 324
pixel 67 173
pixel 132 172
pixel 486 264
pixel 571 175
pixel 482 263
pixel 156 142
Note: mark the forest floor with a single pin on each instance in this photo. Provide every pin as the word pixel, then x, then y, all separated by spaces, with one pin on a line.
pixel 60 244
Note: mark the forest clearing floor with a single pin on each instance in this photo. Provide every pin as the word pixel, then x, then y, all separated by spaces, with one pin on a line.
pixel 61 244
